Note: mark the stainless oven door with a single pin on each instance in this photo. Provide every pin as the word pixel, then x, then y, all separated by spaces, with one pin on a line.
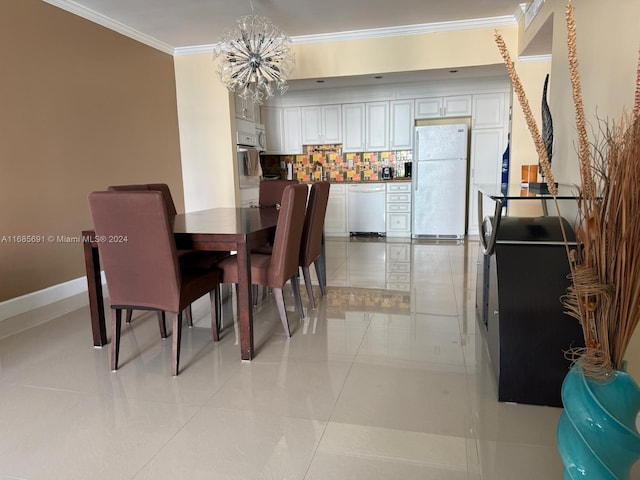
pixel 247 177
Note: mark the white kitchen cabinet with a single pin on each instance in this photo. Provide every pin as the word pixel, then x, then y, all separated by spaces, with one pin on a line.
pixel 402 123
pixel 335 222
pixel 282 128
pixel 487 148
pixel 489 110
pixel 353 127
pixel 398 209
pixel 377 126
pixel 245 109
pixel 436 107
pixel 321 124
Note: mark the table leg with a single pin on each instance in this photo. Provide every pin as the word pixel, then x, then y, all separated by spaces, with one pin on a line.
pixel 94 289
pixel 245 311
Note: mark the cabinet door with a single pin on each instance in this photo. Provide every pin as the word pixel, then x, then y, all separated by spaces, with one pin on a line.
pixel 401 119
pixel 353 127
pixel 332 123
pixel 487 147
pixel 273 124
pixel 291 139
pixel 335 222
pixel 428 107
pixel 245 109
pixel 377 126
pixel 456 106
pixel 489 110
pixel 311 125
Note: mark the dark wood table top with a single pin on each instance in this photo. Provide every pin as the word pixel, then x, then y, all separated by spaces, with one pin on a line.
pixel 225 221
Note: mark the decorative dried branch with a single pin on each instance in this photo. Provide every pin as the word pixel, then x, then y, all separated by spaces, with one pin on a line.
pixel 574 73
pixel 531 123
pixel 636 103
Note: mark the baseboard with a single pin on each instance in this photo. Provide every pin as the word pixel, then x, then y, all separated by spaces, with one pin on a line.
pixel 26 311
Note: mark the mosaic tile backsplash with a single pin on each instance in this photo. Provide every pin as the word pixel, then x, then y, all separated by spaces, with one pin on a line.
pixel 327 162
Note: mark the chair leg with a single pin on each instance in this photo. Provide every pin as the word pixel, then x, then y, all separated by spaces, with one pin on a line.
pixel 307 283
pixel 216 312
pixel 129 315
pixel 188 314
pixel 162 324
pixel 295 286
pixel 277 292
pixel 116 326
pixel 177 336
pixel 321 274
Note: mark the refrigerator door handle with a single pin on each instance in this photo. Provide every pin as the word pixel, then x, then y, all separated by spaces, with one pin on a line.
pixel 415 174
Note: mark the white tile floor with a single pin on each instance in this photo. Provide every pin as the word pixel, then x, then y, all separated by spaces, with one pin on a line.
pixel 373 384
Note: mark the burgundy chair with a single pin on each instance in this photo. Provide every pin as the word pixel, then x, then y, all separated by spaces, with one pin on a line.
pixel 282 265
pixel 188 258
pixel 142 267
pixel 270 191
pixel 311 246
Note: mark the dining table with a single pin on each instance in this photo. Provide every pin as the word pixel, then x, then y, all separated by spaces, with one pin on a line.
pixel 215 229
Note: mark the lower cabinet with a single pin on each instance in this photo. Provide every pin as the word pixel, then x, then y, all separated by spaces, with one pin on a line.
pixel 399 209
pixel 335 222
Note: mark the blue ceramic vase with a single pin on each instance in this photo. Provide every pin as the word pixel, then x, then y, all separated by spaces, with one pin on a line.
pixel 597 435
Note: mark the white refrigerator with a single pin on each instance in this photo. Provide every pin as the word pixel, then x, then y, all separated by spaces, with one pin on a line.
pixel 439 181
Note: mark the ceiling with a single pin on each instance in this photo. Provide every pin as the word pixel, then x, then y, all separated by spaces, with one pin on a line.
pixel 188 23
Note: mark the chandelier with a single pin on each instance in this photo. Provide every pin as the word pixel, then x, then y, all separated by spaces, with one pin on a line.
pixel 254 58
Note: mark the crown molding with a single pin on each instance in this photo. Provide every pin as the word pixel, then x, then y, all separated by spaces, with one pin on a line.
pixel 377 32
pixel 407 30
pixel 107 22
pixel 534 58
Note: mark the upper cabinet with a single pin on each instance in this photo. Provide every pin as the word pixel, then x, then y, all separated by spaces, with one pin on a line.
pixel 401 124
pixel 365 127
pixel 376 126
pixel 246 110
pixel 283 130
pixel 489 110
pixel 353 132
pixel 321 124
pixel 436 107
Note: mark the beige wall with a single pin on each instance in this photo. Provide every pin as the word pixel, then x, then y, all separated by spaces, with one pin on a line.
pixel 607 41
pixel 81 107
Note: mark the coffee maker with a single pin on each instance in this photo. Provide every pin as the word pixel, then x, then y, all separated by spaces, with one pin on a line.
pixel 407 169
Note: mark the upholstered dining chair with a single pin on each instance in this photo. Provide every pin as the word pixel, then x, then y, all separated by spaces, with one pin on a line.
pixel 186 257
pixel 282 265
pixel 141 264
pixel 270 191
pixel 311 244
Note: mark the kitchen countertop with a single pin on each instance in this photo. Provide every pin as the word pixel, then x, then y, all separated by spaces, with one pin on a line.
pixel 347 182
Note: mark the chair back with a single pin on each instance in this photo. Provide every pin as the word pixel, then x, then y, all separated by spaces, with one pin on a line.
pixel 159 187
pixel 137 248
pixel 270 191
pixel 286 244
pixel 311 243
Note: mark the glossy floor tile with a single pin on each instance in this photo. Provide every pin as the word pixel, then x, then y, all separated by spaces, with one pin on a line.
pixel 388 378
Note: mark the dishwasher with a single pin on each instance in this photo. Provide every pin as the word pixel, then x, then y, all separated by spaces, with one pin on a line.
pixel 366 208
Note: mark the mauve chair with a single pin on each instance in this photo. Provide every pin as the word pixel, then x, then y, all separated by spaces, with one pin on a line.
pixel 311 245
pixel 142 267
pixel 282 265
pixel 270 191
pixel 188 258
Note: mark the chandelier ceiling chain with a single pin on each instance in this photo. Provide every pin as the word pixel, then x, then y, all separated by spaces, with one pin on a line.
pixel 254 58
